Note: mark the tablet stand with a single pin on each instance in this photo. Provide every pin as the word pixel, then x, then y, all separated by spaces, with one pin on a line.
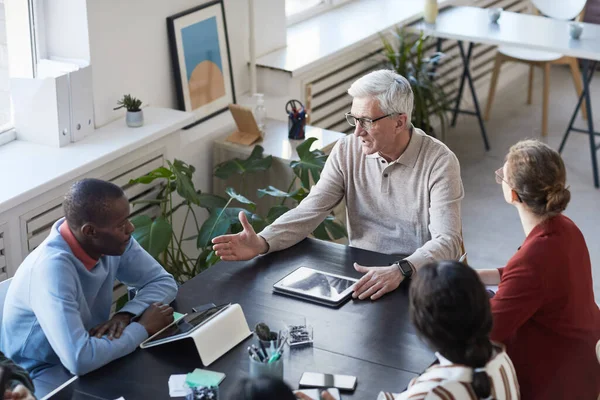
pixel 216 337
pixel 221 334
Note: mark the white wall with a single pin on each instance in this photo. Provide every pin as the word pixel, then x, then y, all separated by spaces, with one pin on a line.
pixel 271 25
pixel 129 50
pixel 64 29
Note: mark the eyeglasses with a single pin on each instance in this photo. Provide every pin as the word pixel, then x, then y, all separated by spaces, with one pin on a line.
pixel 500 179
pixel 365 123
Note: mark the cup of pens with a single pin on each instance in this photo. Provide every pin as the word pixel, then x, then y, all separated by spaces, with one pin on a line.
pixel 296 119
pixel 266 356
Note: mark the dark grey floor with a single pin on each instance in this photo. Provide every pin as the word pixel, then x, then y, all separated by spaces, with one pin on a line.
pixel 492 229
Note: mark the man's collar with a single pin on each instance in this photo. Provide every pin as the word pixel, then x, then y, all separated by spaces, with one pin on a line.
pixel 88 262
pixel 411 153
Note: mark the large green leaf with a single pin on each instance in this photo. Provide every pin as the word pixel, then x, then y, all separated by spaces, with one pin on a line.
pixel 158 173
pixel 297 194
pixel 211 200
pixel 329 229
pixel 255 162
pixel 185 187
pixel 217 224
pixel 276 212
pixel 153 235
pixel 311 163
pixel 242 199
pixel 160 236
pixel 142 224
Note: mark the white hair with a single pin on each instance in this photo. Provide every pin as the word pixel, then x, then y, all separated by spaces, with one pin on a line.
pixel 391 89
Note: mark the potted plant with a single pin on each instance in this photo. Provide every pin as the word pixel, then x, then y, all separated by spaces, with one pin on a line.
pixel 406 54
pixel 135 115
pixel 159 237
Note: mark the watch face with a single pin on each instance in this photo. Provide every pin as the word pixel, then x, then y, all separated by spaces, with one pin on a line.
pixel 405 267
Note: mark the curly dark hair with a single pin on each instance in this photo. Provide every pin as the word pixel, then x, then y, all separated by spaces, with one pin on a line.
pixel 88 200
pixel 450 309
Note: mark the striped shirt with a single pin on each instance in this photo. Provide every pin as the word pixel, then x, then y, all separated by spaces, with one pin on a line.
pixel 448 381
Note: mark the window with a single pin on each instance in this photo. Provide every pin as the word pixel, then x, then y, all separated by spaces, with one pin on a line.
pixel 299 10
pixel 16 56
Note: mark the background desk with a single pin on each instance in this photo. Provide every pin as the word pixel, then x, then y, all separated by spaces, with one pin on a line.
pixel 371 340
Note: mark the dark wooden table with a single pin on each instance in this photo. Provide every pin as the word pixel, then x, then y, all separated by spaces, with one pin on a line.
pixel 374 341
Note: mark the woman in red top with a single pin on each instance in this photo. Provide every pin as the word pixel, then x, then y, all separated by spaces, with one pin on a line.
pixel 544 310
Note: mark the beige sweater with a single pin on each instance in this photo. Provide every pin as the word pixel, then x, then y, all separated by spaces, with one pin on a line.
pixel 408 206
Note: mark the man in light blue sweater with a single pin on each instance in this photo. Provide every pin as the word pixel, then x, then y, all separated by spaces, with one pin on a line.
pixel 58 306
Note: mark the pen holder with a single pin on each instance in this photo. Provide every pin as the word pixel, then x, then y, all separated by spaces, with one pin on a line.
pixel 264 369
pixel 296 125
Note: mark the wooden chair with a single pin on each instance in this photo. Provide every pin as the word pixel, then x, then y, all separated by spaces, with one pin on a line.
pixel 557 9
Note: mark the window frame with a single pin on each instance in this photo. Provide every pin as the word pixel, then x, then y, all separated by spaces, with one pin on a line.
pixel 313 11
pixel 21 32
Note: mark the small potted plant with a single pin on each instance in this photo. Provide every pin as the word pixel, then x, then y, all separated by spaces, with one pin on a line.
pixel 135 115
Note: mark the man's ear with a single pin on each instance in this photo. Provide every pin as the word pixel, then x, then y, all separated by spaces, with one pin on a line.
pixel 88 230
pixel 514 197
pixel 401 122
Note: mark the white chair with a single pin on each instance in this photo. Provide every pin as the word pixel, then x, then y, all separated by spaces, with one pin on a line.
pixel 557 9
pixel 4 285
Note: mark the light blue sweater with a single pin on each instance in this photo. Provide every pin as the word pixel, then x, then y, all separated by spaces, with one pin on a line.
pixel 54 301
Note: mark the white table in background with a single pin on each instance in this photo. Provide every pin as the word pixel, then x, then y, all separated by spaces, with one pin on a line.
pixel 534 32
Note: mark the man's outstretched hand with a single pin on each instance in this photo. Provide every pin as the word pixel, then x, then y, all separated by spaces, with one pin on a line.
pixel 242 246
pixel 113 328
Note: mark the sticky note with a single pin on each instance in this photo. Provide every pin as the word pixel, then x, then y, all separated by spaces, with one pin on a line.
pixel 204 377
pixel 177 316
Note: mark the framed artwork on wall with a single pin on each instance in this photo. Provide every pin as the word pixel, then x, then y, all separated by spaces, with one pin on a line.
pixel 201 60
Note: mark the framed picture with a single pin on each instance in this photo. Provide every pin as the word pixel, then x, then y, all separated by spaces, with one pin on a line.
pixel 201 60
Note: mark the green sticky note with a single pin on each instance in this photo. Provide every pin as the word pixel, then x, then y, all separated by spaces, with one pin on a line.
pixel 177 316
pixel 204 377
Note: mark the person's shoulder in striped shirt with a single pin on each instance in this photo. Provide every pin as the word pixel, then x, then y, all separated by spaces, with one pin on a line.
pixel 450 310
pixel 448 381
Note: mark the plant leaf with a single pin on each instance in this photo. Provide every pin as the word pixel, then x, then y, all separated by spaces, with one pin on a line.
pixel 255 162
pixel 276 212
pixel 310 165
pixel 272 191
pixel 242 199
pixel 160 236
pixel 211 201
pixel 141 234
pixel 329 229
pixel 217 224
pixel 185 187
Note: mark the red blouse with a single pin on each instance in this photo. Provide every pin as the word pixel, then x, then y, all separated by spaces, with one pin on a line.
pixel 545 314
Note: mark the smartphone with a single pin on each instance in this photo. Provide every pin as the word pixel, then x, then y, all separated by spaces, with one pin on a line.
pixel 317 380
pixel 315 394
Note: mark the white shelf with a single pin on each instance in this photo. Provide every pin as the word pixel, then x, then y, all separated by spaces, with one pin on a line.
pixel 350 26
pixel 29 169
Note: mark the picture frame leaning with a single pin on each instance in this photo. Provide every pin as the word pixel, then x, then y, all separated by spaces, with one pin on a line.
pixel 201 59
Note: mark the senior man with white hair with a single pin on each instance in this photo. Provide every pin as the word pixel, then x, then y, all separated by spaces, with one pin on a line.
pixel 402 190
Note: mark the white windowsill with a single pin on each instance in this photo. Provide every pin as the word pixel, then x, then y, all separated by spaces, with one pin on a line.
pixel 349 26
pixel 30 169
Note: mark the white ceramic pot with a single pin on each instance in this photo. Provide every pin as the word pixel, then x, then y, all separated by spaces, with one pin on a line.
pixel 135 119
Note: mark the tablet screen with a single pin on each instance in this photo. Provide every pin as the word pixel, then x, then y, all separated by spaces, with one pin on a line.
pixel 188 323
pixel 315 283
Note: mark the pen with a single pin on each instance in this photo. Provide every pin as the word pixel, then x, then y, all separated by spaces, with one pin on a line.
pixel 258 352
pixel 262 347
pixel 253 354
pixel 275 356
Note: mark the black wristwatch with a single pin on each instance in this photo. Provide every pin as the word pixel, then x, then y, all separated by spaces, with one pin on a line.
pixel 405 268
